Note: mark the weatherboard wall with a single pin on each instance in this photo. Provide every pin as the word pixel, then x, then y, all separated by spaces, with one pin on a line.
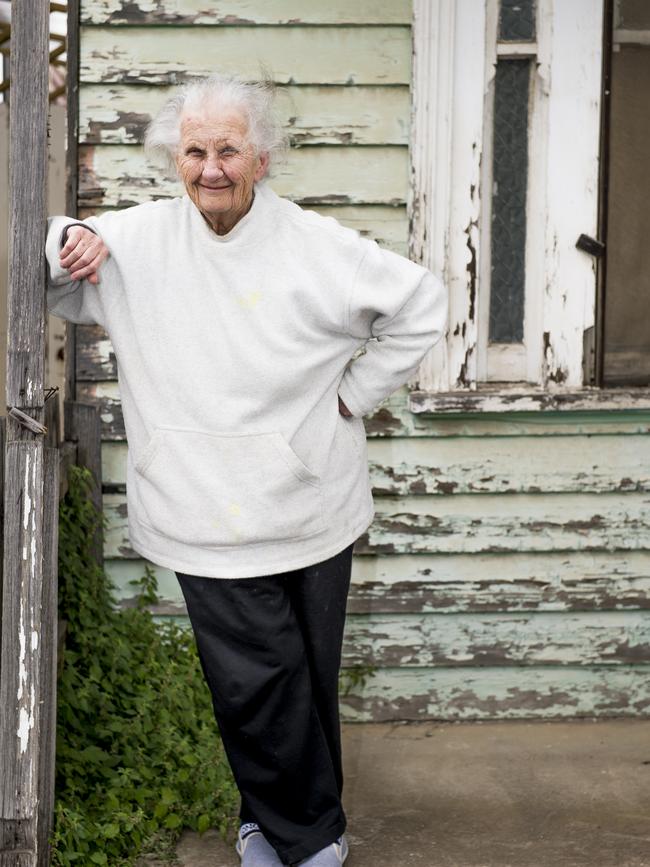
pixel 507 571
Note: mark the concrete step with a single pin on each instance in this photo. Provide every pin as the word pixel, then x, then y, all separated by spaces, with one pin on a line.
pixel 494 794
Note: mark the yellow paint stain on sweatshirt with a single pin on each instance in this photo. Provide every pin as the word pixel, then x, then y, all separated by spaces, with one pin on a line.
pixel 234 509
pixel 250 300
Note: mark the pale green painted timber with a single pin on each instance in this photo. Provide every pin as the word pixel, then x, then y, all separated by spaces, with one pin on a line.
pixel 501 693
pixel 362 115
pixel 250 12
pixel 540 465
pixel 294 54
pixel 614 639
pixel 554 522
pixel 392 420
pixel 535 465
pixel 504 691
pixel 120 175
pixel 576 638
pixel 388 225
pixel 468 524
pixel 466 583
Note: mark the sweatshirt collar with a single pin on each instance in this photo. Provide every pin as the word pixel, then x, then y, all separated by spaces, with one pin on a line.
pixel 256 223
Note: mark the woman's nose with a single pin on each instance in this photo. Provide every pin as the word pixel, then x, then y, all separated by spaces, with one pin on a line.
pixel 212 168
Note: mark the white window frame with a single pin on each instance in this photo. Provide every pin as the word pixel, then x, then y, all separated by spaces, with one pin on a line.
pixel 516 362
pixel 454 56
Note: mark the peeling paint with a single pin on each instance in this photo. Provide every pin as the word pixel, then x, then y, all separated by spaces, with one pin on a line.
pixel 471 270
pixel 25 725
pixel 25 695
pixel 463 376
pixel 499 693
pixel 244 12
pixel 132 123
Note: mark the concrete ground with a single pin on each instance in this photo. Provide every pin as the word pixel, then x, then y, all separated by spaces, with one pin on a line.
pixel 503 794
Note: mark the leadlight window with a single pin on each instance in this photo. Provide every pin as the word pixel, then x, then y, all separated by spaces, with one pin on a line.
pixel 511 121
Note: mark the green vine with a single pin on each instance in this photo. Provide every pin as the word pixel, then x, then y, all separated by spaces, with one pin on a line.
pixel 354 677
pixel 138 752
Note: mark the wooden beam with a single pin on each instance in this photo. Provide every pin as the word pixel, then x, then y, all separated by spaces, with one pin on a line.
pixel 49 630
pixel 72 174
pixel 22 689
pixel 21 685
pixel 3 424
pixel 496 399
pixel 83 424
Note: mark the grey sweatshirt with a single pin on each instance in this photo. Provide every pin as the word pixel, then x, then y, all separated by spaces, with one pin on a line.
pixel 231 352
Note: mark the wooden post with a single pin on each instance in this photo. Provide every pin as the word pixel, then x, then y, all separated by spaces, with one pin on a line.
pixel 82 423
pixel 22 686
pixel 72 177
pixel 3 423
pixel 49 641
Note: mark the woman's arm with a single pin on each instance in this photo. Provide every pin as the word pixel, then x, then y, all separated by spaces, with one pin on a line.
pixel 401 309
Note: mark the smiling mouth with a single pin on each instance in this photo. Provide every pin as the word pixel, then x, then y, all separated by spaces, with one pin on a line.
pixel 205 187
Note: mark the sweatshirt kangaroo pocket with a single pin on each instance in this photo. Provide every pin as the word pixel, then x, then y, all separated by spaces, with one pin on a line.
pixel 226 489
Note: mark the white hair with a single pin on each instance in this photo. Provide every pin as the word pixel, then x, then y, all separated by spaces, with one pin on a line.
pixel 215 93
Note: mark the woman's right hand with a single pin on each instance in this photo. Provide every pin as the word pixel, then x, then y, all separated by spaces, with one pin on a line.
pixel 343 408
pixel 82 254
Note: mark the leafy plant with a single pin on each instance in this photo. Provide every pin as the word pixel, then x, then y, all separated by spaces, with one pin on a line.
pixel 355 676
pixel 138 751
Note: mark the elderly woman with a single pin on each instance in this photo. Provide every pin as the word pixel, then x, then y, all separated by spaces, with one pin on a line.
pixel 235 315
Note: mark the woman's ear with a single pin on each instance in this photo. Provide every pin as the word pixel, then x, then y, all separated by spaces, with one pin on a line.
pixel 263 166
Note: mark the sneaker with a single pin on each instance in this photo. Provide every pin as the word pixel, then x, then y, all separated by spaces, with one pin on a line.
pixel 330 856
pixel 254 849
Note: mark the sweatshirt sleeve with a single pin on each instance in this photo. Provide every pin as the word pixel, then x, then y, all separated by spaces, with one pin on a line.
pixel 401 308
pixel 75 300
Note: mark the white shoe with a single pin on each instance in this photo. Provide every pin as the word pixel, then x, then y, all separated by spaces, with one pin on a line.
pixel 254 849
pixel 330 856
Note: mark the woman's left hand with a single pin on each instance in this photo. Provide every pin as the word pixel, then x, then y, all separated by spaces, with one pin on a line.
pixel 343 408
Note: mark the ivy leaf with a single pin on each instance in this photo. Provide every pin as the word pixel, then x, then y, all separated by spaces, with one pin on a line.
pixel 167 796
pixel 173 821
pixel 203 824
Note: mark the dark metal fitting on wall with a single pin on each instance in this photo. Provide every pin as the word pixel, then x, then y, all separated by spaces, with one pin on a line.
pixel 590 245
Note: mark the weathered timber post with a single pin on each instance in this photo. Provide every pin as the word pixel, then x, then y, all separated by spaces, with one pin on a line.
pixel 3 423
pixel 72 177
pixel 49 643
pixel 25 680
pixel 82 423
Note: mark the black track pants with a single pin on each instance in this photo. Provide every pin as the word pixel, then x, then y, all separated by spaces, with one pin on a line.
pixel 270 648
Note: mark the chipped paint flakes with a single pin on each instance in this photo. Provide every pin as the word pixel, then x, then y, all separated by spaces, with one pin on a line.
pixel 25 725
pixel 25 694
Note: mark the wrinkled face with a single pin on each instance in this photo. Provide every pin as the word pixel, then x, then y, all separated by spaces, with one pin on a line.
pixel 218 165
